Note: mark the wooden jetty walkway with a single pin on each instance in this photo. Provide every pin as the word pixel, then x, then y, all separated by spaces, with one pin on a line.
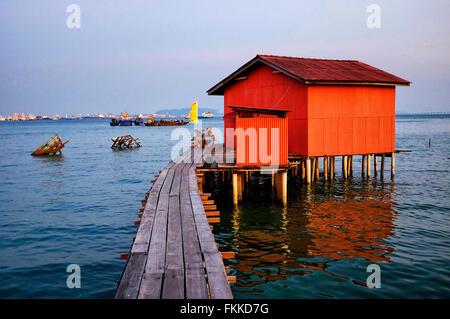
pixel 174 254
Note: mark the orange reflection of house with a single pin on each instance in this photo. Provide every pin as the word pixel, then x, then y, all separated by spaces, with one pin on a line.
pixel 351 229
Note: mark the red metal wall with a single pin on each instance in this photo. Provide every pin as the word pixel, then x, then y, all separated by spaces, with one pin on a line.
pixel 249 153
pixel 265 89
pixel 324 120
pixel 344 120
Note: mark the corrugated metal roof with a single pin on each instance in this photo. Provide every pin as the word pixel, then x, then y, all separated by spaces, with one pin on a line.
pixel 318 71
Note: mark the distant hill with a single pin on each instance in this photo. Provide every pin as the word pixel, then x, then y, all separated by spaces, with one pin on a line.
pixel 179 112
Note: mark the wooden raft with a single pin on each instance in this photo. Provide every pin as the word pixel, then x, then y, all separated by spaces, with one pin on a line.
pixel 174 254
pixel 126 141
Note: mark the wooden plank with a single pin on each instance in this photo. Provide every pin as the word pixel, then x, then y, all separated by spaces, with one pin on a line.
pixel 207 194
pixel 212 213
pixel 217 279
pixel 216 276
pixel 195 276
pixel 210 207
pixel 143 235
pixel 173 287
pixel 153 290
pixel 228 254
pixel 157 249
pixel 196 286
pixel 175 254
pixel 128 287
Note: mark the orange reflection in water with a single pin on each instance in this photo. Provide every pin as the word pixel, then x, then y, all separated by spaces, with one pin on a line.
pixel 351 229
pixel 332 230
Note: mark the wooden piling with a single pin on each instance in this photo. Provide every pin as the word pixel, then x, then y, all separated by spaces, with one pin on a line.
pixel 383 157
pixel 284 187
pixel 392 165
pixel 235 188
pixel 317 169
pixel 363 165
pixel 333 167
pixel 368 165
pixel 303 169
pixel 350 165
pixel 308 170
pixel 344 166
pixel 325 168
pixel 375 165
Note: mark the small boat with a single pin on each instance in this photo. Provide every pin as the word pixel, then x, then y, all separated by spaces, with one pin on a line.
pixel 114 122
pixel 206 115
pixel 51 147
pixel 126 120
pixel 138 121
pixel 151 122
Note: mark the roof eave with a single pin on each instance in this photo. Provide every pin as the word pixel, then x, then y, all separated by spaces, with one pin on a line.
pixel 218 88
pixel 369 83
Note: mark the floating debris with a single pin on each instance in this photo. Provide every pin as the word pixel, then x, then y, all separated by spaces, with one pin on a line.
pixel 51 147
pixel 126 141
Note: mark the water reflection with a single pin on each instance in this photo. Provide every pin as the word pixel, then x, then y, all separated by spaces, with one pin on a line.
pixel 58 158
pixel 325 224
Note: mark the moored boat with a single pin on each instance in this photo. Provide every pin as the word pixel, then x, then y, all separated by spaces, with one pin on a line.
pixel 138 121
pixel 206 115
pixel 126 120
pixel 151 122
pixel 114 122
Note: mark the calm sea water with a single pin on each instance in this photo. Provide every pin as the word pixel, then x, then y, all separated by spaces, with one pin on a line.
pixel 79 208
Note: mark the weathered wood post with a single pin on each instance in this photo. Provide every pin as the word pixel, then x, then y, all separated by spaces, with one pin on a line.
pixel 278 185
pixel 303 168
pixel 350 165
pixel 363 165
pixel 333 167
pixel 284 187
pixel 273 179
pixel 344 166
pixel 382 165
pixel 308 170
pixel 240 185
pixel 375 164
pixel 392 165
pixel 313 168
pixel 235 188
pixel 368 165
pixel 325 167
pixel 317 169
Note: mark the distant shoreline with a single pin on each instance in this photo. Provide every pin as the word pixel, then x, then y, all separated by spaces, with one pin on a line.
pixel 220 117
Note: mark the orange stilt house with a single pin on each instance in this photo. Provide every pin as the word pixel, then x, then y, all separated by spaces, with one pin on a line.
pixel 336 107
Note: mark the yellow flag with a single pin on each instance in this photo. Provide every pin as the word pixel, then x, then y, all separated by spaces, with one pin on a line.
pixel 194 112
